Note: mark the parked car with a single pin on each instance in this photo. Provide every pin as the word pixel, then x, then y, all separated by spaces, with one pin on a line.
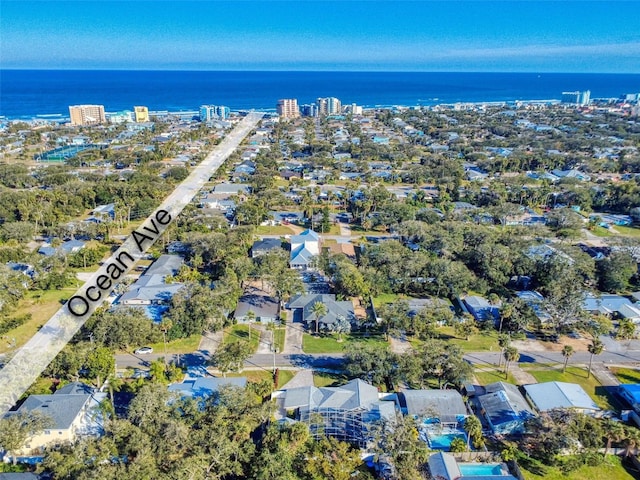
pixel 143 350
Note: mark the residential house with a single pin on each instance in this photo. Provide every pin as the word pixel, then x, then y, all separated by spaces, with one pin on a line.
pixel 418 304
pixel 73 411
pixel 304 248
pixel 577 174
pixel 444 407
pixel 504 408
pixel 535 301
pixel 70 246
pixel 343 412
pixel 105 211
pixel 346 249
pixel 302 306
pixel 232 189
pixel 203 388
pixel 151 288
pixel 614 305
pixel 630 392
pixel 481 309
pixel 260 247
pixel 560 395
pixel 284 218
pixel 265 308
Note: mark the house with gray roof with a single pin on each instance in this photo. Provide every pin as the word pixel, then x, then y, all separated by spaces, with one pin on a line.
pixel 560 395
pixel 615 305
pixel 504 408
pixel 302 306
pixel 151 288
pixel 232 189
pixel 261 247
pixel 265 308
pixel 342 412
pixel 73 412
pixel 442 406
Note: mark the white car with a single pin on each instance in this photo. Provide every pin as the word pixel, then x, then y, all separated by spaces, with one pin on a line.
pixel 143 350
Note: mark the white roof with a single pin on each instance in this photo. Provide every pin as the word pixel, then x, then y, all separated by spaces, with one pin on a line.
pixel 550 395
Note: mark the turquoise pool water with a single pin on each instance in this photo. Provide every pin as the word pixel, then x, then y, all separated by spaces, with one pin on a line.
pixel 480 469
pixel 443 441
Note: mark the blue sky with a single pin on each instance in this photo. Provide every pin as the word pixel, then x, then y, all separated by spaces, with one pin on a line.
pixel 519 36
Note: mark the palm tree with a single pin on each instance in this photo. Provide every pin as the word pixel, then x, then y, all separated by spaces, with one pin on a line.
pixel 595 348
pixel 318 309
pixel 511 354
pixel 567 351
pixel 613 432
pixel 504 341
pixel 473 427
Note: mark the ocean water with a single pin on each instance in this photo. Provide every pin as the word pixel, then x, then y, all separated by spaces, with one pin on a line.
pixel 25 93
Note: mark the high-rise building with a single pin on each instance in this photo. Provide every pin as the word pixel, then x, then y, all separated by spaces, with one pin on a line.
pixel 309 110
pixel 142 114
pixel 288 108
pixel 354 109
pixel 329 106
pixel 577 98
pixel 86 114
pixel 334 106
pixel 323 106
pixel 213 112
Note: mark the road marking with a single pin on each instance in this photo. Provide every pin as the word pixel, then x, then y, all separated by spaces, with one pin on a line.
pixel 31 360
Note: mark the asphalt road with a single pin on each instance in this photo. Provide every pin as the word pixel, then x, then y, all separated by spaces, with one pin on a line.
pixel 335 360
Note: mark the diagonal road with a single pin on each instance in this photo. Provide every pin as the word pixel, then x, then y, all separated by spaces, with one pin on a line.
pixel 29 362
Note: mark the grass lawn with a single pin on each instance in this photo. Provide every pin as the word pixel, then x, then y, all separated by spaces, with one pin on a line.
pixel 630 231
pixel 599 231
pixel 284 376
pixel 329 379
pixel 275 230
pixel 256 376
pixel 385 298
pixel 41 305
pixel 237 333
pixel 330 344
pixel 492 376
pixel 627 375
pixel 278 336
pixel 576 375
pixel 480 342
pixel 181 345
pixel 610 469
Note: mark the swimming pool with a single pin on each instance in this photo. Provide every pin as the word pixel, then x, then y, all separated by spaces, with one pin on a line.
pixel 480 469
pixel 443 441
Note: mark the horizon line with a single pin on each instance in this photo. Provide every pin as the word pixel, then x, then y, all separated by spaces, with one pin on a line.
pixel 103 69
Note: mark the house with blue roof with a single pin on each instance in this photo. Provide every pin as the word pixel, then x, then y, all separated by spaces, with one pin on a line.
pixel 630 392
pixel 304 248
pixel 504 408
pixel 203 388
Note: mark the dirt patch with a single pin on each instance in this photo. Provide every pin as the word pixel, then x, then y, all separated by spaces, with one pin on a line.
pixel 578 344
